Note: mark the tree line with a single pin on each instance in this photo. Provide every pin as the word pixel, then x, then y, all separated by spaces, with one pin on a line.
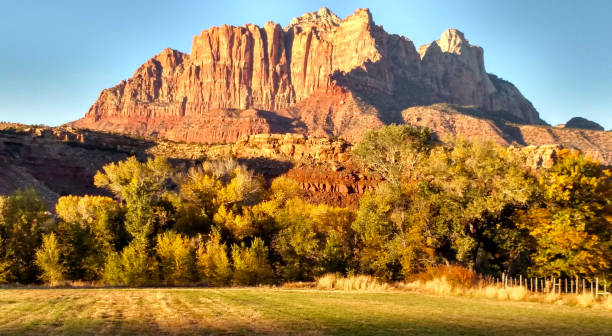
pixel 459 202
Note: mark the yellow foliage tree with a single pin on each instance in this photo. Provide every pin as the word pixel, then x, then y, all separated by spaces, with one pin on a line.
pixel 89 229
pixel 176 260
pixel 572 229
pixel 212 261
pixel 48 259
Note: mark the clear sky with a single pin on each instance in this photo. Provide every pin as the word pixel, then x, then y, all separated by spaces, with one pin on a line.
pixel 56 56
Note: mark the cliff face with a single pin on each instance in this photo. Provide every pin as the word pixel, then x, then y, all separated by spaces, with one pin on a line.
pixel 320 75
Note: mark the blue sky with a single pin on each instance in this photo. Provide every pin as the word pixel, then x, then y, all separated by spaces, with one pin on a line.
pixel 57 56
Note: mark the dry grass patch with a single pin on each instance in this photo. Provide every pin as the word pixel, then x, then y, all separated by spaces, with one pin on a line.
pixel 350 283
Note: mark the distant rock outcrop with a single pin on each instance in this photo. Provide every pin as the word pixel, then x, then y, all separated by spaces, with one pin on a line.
pixel 582 123
pixel 320 75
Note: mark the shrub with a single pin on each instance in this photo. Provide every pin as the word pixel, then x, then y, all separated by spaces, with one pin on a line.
pixel 175 258
pixel 212 261
pixel 251 264
pixel 515 293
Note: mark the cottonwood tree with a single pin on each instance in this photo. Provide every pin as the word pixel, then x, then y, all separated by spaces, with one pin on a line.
pixel 251 265
pixel 572 227
pixel 394 151
pixel 176 261
pixel 392 243
pixel 141 186
pixel 90 229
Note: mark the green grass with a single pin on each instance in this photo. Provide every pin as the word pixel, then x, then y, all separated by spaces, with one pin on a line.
pixel 270 311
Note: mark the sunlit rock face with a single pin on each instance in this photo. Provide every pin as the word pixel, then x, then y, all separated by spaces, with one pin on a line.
pixel 320 75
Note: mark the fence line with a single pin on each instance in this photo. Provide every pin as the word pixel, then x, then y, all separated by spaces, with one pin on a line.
pixel 553 285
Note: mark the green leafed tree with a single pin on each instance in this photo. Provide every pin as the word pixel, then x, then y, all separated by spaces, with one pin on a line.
pixel 141 186
pixel 394 151
pixel 478 182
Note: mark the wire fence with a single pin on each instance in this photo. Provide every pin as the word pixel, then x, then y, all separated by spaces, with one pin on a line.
pixel 597 286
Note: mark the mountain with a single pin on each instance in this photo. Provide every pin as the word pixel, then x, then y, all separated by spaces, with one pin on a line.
pixel 320 76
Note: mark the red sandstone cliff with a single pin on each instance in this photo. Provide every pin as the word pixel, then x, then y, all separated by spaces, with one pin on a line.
pixel 320 76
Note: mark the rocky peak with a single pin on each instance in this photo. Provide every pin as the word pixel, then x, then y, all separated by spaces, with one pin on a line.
pixel 582 123
pixel 452 41
pixel 361 16
pixel 323 20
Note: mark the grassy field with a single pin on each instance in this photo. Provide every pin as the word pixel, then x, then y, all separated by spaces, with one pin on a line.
pixel 270 311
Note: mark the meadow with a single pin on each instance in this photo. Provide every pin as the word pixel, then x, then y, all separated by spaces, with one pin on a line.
pixel 196 311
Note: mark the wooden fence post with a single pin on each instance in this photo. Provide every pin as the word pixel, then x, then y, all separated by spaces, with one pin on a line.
pixel 596 286
pixel 577 284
